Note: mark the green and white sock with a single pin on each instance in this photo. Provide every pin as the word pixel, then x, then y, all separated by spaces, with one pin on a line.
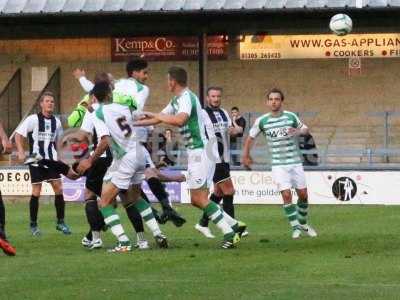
pixel 214 212
pixel 231 221
pixel 291 214
pixel 145 211
pixel 302 212
pixel 112 219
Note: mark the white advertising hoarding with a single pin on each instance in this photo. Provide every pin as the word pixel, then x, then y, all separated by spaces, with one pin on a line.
pixel 325 187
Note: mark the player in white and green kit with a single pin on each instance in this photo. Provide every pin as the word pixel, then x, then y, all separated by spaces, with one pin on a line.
pixel 281 129
pixel 185 112
pixel 126 173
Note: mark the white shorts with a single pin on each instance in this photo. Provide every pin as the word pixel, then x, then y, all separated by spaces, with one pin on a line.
pixel 287 177
pixel 127 171
pixel 149 161
pixel 200 169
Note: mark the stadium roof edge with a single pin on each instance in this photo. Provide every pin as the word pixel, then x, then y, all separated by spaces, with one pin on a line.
pixel 55 8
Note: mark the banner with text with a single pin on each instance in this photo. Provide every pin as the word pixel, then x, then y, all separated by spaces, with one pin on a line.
pixel 320 46
pixel 325 187
pixel 166 48
pixel 16 182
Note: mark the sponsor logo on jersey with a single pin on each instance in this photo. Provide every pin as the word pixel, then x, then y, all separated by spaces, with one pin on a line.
pixel 277 132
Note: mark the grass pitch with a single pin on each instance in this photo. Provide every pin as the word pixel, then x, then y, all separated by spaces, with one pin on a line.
pixel 356 256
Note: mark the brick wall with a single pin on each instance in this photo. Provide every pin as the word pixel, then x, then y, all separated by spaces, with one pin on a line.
pixel 310 85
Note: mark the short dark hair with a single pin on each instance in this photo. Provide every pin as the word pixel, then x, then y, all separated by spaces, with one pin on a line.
pixel 135 64
pixel 276 90
pixel 179 74
pixel 103 76
pixel 46 94
pixel 214 88
pixel 235 108
pixel 101 90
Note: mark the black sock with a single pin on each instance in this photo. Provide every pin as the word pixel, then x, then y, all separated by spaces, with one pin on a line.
pixel 89 235
pixel 158 189
pixel 33 209
pixel 93 215
pixel 204 219
pixel 227 205
pixel 135 218
pixel 2 214
pixel 58 166
pixel 60 207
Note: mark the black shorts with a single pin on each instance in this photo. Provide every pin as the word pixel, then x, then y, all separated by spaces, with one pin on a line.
pixel 40 174
pixel 95 175
pixel 222 172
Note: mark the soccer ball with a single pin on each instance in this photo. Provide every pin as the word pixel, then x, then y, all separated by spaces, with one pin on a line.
pixel 341 24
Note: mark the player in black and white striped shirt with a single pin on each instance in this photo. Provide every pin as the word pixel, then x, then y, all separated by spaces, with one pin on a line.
pixel 223 128
pixel 42 131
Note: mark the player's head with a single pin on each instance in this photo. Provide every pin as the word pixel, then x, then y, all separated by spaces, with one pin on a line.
pixel 101 91
pixel 214 96
pixel 103 76
pixel 137 68
pixel 235 112
pixel 275 99
pixel 177 77
pixel 46 102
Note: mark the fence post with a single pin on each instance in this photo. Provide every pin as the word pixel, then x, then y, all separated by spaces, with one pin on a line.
pixel 386 135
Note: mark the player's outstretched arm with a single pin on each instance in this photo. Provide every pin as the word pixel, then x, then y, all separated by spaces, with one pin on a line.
pixel 177 120
pixel 247 160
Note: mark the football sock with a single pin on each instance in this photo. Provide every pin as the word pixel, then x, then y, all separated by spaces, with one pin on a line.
pixel 214 212
pixel 140 236
pixel 93 214
pixel 204 219
pixel 302 211
pixel 158 189
pixel 227 205
pixel 112 219
pixel 291 214
pixel 145 211
pixel 34 209
pixel 135 217
pixel 60 207
pixel 95 235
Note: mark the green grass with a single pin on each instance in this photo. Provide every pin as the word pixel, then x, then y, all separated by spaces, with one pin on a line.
pixel 356 256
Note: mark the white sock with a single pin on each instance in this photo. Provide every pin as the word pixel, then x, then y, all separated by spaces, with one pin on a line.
pixel 95 235
pixel 221 223
pixel 231 221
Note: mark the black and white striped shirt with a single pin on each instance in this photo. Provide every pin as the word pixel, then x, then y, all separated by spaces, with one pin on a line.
pixel 221 123
pixel 42 134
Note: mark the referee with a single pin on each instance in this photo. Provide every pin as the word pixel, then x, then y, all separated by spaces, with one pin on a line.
pixel 42 131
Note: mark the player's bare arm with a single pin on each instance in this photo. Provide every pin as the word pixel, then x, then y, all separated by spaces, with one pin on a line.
pixel 19 142
pixel 247 160
pixel 179 119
